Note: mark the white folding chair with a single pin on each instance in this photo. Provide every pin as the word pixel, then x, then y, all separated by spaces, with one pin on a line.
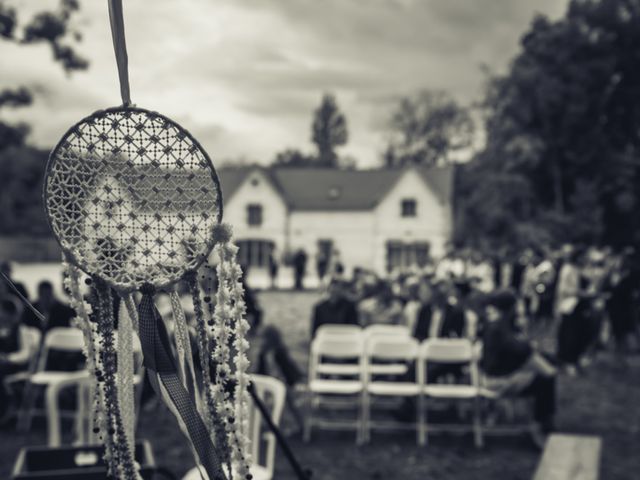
pixel 381 379
pixel 448 351
pixel 272 392
pixel 375 333
pixel 340 333
pixel 327 359
pixel 59 339
pixel 33 336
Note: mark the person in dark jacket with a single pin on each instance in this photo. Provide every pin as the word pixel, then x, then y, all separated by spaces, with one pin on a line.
pixel 299 268
pixel 513 367
pixel 335 309
pixel 56 313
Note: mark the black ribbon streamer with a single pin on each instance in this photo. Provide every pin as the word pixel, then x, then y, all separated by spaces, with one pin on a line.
pixel 158 360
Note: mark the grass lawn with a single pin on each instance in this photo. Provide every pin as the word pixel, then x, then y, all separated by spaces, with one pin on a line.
pixel 604 402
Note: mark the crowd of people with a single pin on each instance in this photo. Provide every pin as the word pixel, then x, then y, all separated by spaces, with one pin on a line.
pixel 42 313
pixel 535 313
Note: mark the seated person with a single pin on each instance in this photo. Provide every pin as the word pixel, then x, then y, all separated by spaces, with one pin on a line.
pixel 383 308
pixel 267 350
pixel 337 308
pixel 14 347
pixel 447 314
pixel 513 367
pixel 57 314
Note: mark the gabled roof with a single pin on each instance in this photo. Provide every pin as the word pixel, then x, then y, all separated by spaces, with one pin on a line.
pixel 335 189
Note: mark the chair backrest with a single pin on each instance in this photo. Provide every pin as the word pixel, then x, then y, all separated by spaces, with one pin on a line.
pixel 387 331
pixel 67 339
pixel 337 329
pixel 33 337
pixel 391 348
pixel 447 350
pixel 330 349
pixel 62 339
pixel 388 356
pixel 348 346
pixel 272 389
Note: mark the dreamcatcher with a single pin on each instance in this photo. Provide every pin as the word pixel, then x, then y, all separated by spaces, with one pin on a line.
pixel 135 203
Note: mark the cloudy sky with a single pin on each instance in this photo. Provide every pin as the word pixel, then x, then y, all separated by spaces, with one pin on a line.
pixel 245 75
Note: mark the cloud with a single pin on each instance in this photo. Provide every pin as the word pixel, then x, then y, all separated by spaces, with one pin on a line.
pixel 246 75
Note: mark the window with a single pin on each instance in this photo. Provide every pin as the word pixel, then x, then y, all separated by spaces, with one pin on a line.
pixel 408 207
pixel 404 255
pixel 254 253
pixel 254 215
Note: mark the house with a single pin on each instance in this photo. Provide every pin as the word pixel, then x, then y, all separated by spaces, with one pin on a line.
pixel 380 219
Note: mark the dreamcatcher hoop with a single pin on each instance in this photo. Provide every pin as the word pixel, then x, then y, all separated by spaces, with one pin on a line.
pixel 132 197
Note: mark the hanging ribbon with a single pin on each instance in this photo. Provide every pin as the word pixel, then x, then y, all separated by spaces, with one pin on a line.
pixel 122 458
pixel 183 350
pixel 165 380
pixel 125 373
pixel 116 19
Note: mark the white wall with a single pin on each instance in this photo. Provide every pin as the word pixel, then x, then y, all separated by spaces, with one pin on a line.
pixel 274 211
pixel 351 232
pixel 432 223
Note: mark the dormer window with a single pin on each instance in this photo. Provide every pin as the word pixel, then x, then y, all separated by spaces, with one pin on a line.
pixel 408 207
pixel 255 182
pixel 254 215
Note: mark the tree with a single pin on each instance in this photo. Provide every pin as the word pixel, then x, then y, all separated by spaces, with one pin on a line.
pixel 21 209
pixel 294 158
pixel 328 131
pixel 565 121
pixel 51 27
pixel 22 166
pixel 426 129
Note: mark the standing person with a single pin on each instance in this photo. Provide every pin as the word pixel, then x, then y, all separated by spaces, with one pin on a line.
pixel 517 270
pixel 571 311
pixel 299 268
pixel 322 264
pixel 273 268
pixel 529 282
pixel 56 313
pixel 513 367
pixel 337 267
pixel 622 303
pixel 335 309
pixel 418 294
pixel 545 278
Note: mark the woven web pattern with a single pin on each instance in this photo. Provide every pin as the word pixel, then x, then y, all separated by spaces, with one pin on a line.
pixel 132 198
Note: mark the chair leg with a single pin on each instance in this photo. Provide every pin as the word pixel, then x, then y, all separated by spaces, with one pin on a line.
pixel 360 425
pixel 477 423
pixel 53 416
pixel 308 419
pixel 420 421
pixel 365 414
pixel 25 411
